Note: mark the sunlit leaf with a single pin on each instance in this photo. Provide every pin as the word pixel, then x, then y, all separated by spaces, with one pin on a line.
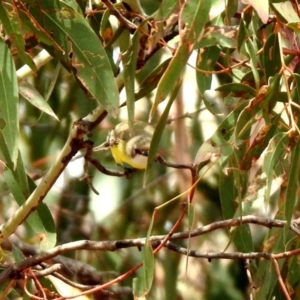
pixel 30 93
pixel 286 11
pixel 262 8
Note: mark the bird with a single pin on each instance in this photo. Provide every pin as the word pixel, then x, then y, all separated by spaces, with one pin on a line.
pixel 129 146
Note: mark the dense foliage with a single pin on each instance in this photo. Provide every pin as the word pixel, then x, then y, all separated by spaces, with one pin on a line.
pixel 215 212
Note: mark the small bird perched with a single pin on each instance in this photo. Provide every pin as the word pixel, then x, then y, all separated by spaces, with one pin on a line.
pixel 129 146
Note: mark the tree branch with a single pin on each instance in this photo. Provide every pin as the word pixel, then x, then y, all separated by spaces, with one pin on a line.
pixel 15 270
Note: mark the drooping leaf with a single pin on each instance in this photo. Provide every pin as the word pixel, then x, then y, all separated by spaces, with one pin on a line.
pixel 292 193
pixel 238 89
pixel 225 36
pixel 159 19
pixel 194 16
pixel 38 220
pixel 271 56
pixel 9 102
pixel 206 60
pixel 142 284
pixel 150 82
pixel 160 128
pixel 30 93
pixel 259 143
pixel 256 105
pixel 129 59
pixel 83 51
pixel 33 25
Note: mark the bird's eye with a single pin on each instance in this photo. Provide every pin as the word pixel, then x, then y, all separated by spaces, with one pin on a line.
pixel 113 141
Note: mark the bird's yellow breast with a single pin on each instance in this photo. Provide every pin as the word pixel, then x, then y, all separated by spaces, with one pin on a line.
pixel 121 157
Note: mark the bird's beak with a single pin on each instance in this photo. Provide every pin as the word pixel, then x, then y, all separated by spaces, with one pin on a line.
pixel 102 147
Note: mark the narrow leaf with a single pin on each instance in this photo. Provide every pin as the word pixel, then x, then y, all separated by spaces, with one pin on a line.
pixel 30 93
pixel 194 16
pixel 129 59
pixel 292 193
pixel 142 284
pixel 271 56
pixel 159 129
pixel 9 101
pixel 40 220
pixel 274 154
pixel 206 61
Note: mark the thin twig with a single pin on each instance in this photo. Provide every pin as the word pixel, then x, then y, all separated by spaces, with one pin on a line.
pixel 280 280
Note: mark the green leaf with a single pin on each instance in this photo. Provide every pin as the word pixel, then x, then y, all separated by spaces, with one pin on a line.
pixel 274 153
pixel 265 278
pixel 251 51
pixel 242 238
pixel 206 61
pixel 22 186
pixel 151 80
pixel 225 36
pixel 256 105
pixel 205 153
pixel 286 11
pixel 33 24
pixel 9 101
pixel 83 51
pixel 194 16
pixel 292 193
pixel 271 56
pixel 259 143
pixel 228 194
pixel 160 126
pixel 294 26
pixel 237 89
pixel 242 34
pixel 142 284
pixel 129 59
pixel 40 220
pixel 17 254
pixel 12 24
pixel 231 8
pixel 30 93
pixel 165 10
pixel 225 132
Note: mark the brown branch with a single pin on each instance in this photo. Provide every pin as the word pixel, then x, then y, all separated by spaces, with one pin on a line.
pixel 15 270
pixel 50 270
pixel 123 21
pixel 214 255
pixel 280 280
